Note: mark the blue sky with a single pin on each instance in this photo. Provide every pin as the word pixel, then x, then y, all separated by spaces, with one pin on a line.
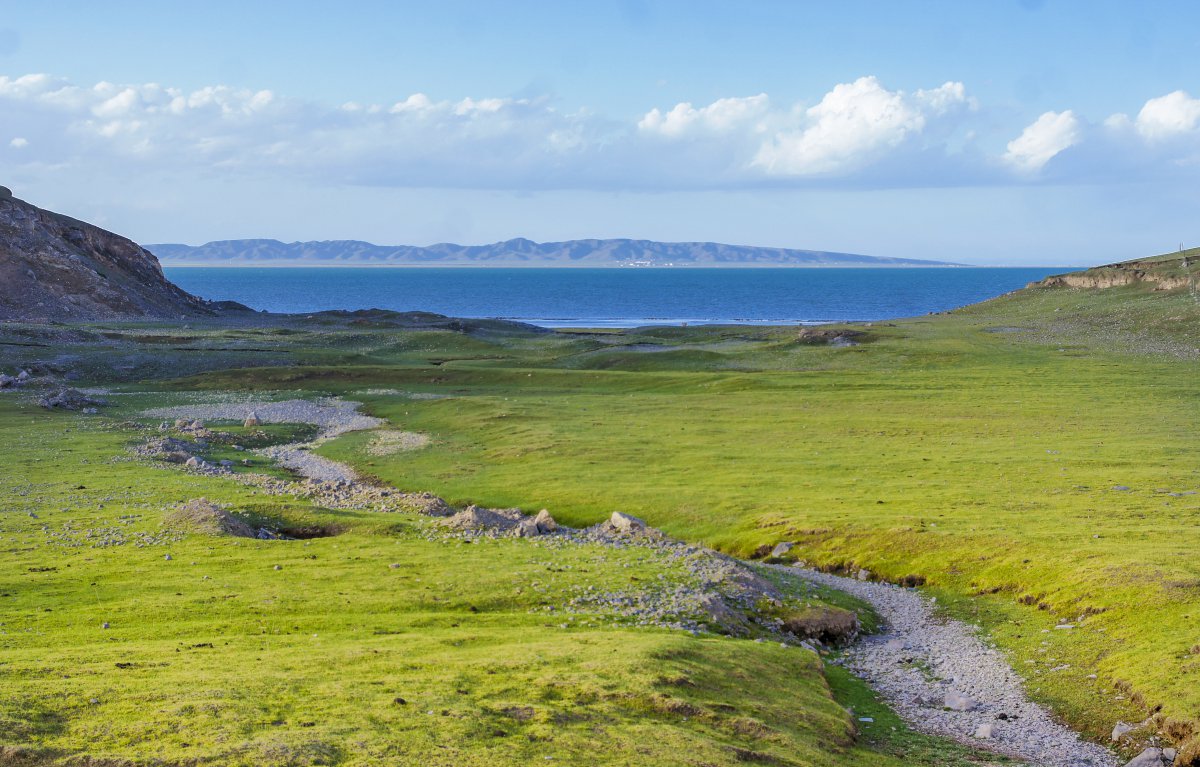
pixel 996 132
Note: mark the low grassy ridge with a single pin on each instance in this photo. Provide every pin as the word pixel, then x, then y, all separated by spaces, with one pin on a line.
pixel 1031 458
pixel 124 640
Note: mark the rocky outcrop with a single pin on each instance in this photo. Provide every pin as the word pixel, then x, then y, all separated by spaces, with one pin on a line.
pixel 1160 274
pixel 56 268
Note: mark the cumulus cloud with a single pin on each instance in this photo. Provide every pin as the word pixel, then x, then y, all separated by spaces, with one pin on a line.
pixel 858 133
pixel 721 116
pixel 1044 139
pixel 853 125
pixel 1166 116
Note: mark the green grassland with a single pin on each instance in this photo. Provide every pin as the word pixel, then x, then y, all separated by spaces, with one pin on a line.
pixel 1032 458
pixel 126 642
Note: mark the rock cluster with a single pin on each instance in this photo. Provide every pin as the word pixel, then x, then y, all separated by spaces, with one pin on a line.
pixel 71 399
pixel 12 382
pixel 501 522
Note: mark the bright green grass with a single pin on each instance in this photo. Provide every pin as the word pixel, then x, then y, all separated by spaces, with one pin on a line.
pixel 985 461
pixel 216 657
pixel 982 450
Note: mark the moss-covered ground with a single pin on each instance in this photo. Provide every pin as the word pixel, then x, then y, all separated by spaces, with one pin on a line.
pixel 1032 458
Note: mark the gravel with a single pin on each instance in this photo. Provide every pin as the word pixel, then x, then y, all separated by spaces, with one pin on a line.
pixel 924 664
pixel 333 416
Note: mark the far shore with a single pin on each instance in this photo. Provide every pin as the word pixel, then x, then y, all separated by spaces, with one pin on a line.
pixel 519 265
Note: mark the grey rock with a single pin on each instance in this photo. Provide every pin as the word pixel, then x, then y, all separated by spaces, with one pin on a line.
pixel 956 701
pixel 985 731
pixel 1151 757
pixel 1120 729
pixel 626 523
pixel 545 523
pixel 781 549
pixel 69 399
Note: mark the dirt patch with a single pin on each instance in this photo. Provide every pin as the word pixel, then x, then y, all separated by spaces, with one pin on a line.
pixel 203 516
pixel 307 532
pixel 829 625
pixel 830 337
pixel 392 442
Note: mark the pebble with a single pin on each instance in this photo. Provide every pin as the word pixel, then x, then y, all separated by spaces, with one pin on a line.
pixel 921 654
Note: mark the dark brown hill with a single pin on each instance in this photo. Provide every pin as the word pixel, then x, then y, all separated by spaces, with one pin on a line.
pixel 53 267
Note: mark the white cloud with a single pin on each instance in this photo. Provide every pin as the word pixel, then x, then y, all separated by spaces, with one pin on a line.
pixel 853 125
pixel 1167 116
pixel 859 133
pixel 1041 141
pixel 720 116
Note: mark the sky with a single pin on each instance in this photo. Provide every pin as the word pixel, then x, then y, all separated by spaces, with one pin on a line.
pixel 995 132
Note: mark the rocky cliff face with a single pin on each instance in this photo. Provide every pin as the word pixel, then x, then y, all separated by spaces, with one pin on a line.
pixel 56 268
pixel 1163 273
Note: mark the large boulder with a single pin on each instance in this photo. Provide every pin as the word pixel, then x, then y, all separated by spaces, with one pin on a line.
pixel 1151 757
pixel 626 523
pixel 545 523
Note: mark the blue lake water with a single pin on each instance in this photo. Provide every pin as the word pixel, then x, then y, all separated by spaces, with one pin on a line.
pixel 613 297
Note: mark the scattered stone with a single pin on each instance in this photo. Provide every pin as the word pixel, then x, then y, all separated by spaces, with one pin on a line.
pixel 7 381
pixel 104 625
pixel 985 731
pixel 252 420
pixel 944 657
pixel 278 567
pixel 168 557
pixel 69 399
pixel 1120 729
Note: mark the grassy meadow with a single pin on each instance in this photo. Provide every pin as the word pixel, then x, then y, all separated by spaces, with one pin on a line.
pixel 1031 458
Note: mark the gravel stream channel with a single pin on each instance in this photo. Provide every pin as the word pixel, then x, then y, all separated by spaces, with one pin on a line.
pixel 935 672
pixel 943 679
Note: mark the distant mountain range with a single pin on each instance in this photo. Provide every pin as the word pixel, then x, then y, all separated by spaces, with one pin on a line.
pixel 518 252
